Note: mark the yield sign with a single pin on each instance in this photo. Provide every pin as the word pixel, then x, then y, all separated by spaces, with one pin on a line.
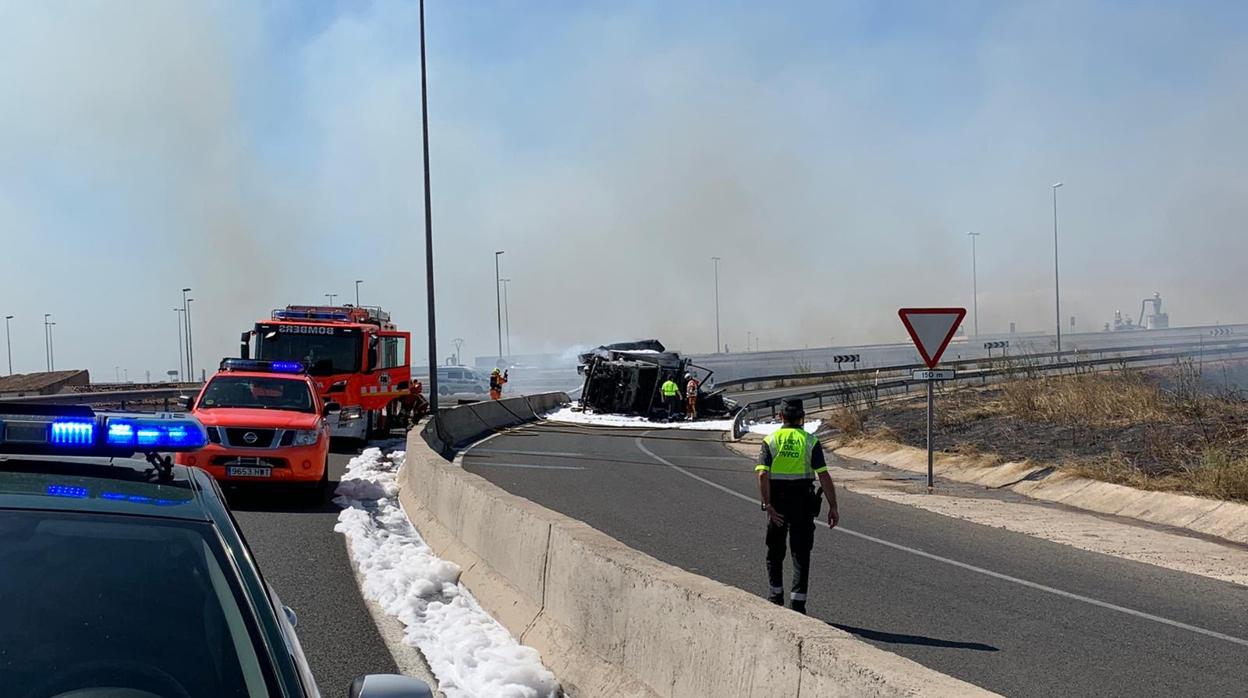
pixel 931 329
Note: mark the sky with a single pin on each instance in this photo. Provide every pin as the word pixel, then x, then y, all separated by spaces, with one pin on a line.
pixel 833 154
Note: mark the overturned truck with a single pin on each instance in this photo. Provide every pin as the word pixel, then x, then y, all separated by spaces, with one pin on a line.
pixel 626 378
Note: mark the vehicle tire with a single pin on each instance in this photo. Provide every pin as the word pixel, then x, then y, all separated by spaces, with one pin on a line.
pixel 316 495
pixel 443 390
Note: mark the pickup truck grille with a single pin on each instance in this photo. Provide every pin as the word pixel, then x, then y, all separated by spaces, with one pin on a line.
pixel 238 437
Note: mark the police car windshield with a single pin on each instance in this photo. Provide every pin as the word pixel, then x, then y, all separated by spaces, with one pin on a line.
pixel 257 392
pixel 96 604
pixel 320 354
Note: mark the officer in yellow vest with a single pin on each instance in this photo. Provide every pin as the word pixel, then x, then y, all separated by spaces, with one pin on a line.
pixel 790 461
pixel 671 398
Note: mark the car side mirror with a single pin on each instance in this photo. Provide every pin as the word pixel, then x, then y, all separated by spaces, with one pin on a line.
pixel 185 402
pixel 331 408
pixel 389 686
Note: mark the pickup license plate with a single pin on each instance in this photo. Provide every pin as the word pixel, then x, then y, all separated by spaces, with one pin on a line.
pixel 244 471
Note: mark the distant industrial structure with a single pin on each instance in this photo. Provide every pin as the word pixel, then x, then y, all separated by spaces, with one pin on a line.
pixel 1155 320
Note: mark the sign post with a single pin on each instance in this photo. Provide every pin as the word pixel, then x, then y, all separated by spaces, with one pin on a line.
pixel 931 330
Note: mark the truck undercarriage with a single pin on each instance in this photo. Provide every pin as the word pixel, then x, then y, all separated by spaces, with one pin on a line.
pixel 627 377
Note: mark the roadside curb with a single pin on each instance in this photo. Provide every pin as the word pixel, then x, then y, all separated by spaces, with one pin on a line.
pixel 610 620
pixel 1210 517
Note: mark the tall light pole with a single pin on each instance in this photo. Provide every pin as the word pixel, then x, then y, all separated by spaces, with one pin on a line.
pixel 51 348
pixel 190 342
pixel 186 330
pixel 357 291
pixel 507 317
pixel 424 125
pixel 498 302
pixel 331 297
pixel 7 343
pixel 181 354
pixel 718 347
pixel 974 283
pixel 747 341
pixel 459 344
pixel 47 342
pixel 1057 286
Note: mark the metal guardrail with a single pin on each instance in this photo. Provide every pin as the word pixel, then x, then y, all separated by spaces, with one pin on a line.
pixel 967 363
pixel 846 394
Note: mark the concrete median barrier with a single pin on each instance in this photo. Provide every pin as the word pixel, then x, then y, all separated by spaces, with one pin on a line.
pixel 612 621
pixel 456 428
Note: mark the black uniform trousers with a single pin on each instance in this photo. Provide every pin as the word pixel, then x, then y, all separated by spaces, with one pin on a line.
pixel 795 501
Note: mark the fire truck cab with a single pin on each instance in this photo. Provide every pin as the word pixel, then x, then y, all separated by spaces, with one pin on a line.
pixel 356 357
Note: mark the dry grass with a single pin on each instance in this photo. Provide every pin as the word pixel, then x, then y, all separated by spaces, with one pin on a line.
pixel 1155 429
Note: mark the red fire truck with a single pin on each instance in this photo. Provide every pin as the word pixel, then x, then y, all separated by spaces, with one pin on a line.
pixel 357 358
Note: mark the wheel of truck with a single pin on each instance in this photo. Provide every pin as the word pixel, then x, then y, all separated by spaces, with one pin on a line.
pixel 443 390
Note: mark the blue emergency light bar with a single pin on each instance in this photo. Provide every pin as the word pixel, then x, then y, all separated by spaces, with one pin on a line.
pixel 260 365
pixel 75 430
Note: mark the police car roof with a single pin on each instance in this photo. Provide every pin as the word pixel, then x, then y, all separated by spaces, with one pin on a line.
pixel 301 377
pixel 100 485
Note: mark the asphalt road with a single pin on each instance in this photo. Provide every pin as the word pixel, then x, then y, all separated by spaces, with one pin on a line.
pixel 1011 613
pixel 307 563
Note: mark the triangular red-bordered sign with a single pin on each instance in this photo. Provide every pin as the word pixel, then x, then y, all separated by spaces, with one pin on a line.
pixel 931 329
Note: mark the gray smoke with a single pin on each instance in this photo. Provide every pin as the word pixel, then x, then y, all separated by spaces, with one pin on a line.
pixel 265 157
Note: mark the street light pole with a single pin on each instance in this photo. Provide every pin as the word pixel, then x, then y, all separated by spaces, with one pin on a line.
pixel 974 283
pixel 190 342
pixel 51 348
pixel 186 331
pixel 747 341
pixel 424 125
pixel 7 343
pixel 47 343
pixel 459 344
pixel 181 356
pixel 357 291
pixel 498 303
pixel 507 317
pixel 1057 287
pixel 331 297
pixel 718 347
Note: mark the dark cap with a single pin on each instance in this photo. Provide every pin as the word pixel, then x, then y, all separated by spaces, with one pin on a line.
pixel 791 408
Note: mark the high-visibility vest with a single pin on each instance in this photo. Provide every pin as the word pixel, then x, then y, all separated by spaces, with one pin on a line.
pixel 791 451
pixel 670 389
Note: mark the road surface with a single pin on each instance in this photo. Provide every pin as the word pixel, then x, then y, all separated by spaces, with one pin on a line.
pixel 1011 613
pixel 307 563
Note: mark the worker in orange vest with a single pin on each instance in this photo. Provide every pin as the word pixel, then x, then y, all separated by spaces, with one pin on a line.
pixel 691 396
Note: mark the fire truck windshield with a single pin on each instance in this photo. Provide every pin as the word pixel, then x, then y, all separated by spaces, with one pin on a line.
pixel 320 354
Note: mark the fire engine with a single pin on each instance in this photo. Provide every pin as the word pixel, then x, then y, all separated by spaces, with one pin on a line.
pixel 355 355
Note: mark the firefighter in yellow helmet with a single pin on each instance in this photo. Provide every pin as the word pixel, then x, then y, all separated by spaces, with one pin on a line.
pixel 788 465
pixel 497 380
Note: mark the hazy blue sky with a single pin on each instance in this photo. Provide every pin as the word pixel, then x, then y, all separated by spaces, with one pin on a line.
pixel 833 153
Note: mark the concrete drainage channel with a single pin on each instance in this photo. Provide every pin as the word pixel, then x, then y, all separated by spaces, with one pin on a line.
pixel 609 620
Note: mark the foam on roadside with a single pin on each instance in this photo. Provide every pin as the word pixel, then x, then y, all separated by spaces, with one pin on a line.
pixel 576 416
pixel 767 428
pixel 470 653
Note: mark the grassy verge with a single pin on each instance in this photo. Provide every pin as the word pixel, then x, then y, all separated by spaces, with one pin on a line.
pixel 1167 429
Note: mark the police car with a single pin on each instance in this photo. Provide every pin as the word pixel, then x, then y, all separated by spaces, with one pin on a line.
pixel 128 578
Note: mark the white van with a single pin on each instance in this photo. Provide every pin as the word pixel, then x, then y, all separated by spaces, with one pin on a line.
pixel 461 379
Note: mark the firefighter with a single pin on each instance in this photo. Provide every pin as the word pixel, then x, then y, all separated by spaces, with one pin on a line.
pixel 691 396
pixel 497 380
pixel 671 398
pixel 788 464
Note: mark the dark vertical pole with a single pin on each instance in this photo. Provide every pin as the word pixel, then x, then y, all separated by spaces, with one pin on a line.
pixel 190 346
pixel 718 347
pixel 930 402
pixel 498 304
pixel 433 325
pixel 8 344
pixel 1057 287
pixel 181 355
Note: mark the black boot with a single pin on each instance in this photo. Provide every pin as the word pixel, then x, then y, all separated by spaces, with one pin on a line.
pixel 799 606
pixel 777 599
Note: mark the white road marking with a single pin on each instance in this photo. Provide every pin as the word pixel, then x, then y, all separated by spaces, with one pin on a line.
pixel 510 452
pixel 966 566
pixel 527 465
